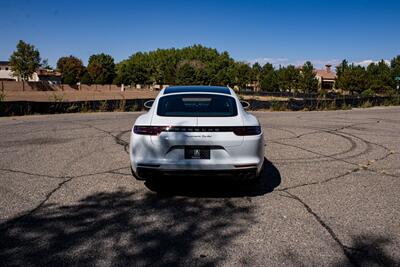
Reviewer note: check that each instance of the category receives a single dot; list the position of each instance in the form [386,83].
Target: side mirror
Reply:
[148,104]
[245,104]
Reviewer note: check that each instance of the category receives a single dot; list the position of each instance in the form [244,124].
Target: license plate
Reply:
[197,153]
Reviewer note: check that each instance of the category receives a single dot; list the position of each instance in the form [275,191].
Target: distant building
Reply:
[45,75]
[326,77]
[5,72]
[41,75]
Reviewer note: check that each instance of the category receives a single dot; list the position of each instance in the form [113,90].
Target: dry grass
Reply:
[263,98]
[48,96]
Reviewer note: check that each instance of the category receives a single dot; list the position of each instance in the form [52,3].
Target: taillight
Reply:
[149,130]
[156,130]
[247,130]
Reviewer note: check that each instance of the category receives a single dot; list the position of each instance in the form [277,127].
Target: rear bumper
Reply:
[149,159]
[245,173]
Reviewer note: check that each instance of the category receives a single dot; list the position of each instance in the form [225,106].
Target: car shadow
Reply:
[213,186]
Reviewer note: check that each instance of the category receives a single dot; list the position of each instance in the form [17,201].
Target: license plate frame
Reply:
[194,152]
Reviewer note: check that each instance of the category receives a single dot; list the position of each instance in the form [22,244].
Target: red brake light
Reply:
[156,130]
[247,130]
[148,130]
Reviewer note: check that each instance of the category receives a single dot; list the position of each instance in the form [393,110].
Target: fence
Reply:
[30,107]
[324,104]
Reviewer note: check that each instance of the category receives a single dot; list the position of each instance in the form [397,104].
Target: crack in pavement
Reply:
[112,171]
[339,131]
[30,212]
[320,182]
[117,137]
[118,141]
[346,249]
[284,192]
[58,187]
[31,174]
[321,130]
[316,153]
[359,168]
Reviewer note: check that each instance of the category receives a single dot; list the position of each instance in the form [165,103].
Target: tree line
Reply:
[205,66]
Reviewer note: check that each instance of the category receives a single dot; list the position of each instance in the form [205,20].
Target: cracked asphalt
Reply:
[329,196]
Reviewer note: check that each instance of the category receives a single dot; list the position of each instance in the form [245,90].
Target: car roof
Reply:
[197,89]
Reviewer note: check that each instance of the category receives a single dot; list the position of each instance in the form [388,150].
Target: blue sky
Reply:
[281,32]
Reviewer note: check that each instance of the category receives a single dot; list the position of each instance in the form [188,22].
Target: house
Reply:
[47,76]
[326,77]
[41,75]
[5,72]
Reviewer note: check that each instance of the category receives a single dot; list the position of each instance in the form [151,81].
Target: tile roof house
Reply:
[326,77]
[46,75]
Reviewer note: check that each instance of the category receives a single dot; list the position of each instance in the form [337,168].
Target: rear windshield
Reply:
[197,105]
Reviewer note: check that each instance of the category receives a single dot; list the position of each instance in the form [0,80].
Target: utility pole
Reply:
[397,79]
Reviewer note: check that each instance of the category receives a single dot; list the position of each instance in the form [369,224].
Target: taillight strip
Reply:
[238,130]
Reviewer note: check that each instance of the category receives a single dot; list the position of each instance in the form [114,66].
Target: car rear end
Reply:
[197,134]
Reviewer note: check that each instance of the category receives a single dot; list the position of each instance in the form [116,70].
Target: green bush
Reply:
[345,106]
[366,104]
[103,106]
[368,93]
[278,105]
[122,105]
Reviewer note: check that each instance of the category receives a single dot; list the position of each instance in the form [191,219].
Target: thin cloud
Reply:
[366,62]
[318,63]
[265,60]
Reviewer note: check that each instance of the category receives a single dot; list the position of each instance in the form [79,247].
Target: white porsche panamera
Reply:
[196,130]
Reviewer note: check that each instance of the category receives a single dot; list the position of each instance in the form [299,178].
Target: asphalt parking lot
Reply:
[330,196]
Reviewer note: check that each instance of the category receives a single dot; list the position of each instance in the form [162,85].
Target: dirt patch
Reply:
[48,96]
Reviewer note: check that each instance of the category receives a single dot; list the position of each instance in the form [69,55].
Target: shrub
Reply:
[72,108]
[368,93]
[122,105]
[58,98]
[345,106]
[85,107]
[366,104]
[278,105]
[103,106]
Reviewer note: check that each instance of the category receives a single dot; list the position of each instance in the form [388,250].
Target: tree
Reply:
[269,78]
[24,61]
[288,78]
[395,68]
[341,76]
[256,72]
[379,77]
[86,79]
[351,78]
[308,81]
[241,74]
[101,68]
[185,74]
[356,78]
[163,66]
[45,64]
[71,69]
